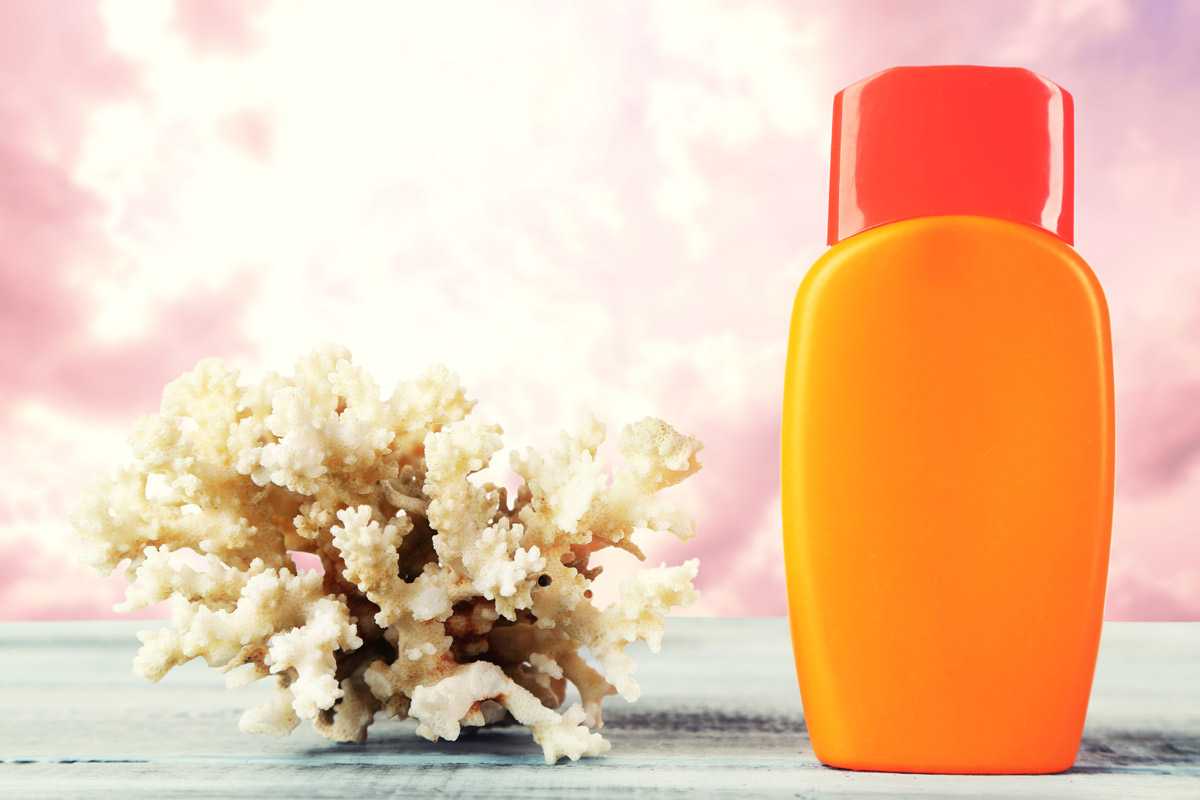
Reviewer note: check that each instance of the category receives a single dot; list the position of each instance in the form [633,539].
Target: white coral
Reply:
[441,598]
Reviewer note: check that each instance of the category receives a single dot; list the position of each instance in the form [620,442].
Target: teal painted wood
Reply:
[720,716]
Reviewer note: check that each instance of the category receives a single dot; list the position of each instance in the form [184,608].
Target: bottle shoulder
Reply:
[946,248]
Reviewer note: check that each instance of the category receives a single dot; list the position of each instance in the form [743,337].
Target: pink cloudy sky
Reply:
[601,207]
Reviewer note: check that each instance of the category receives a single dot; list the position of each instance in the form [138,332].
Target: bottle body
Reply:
[947,483]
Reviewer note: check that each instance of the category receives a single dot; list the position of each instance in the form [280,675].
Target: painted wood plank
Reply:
[720,716]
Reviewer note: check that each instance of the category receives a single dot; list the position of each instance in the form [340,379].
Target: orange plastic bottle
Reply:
[948,434]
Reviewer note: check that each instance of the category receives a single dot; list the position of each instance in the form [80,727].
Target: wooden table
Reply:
[720,716]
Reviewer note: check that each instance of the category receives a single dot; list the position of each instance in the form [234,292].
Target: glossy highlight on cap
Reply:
[927,141]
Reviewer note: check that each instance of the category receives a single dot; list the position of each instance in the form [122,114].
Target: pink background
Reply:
[579,207]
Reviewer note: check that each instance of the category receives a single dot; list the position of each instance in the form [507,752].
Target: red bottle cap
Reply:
[923,141]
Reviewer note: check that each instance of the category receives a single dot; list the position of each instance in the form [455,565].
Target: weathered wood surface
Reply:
[720,716]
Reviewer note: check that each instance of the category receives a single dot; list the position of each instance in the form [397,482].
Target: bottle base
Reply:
[982,766]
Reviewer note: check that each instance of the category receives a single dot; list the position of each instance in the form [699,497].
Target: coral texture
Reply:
[442,598]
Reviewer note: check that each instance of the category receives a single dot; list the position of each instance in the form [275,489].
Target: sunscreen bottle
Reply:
[947,469]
